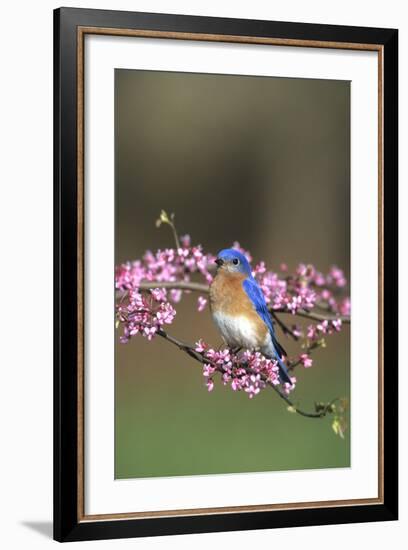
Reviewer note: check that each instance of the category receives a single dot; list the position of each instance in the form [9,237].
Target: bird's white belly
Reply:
[237,330]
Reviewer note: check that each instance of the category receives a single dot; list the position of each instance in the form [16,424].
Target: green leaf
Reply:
[163,218]
[338,427]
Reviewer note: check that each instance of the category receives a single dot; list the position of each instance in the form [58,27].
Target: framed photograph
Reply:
[225,274]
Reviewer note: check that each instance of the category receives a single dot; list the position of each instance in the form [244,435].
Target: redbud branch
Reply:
[308,350]
[204,360]
[283,326]
[176,285]
[315,316]
[198,287]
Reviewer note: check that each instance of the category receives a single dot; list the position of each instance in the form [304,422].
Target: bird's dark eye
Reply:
[235,261]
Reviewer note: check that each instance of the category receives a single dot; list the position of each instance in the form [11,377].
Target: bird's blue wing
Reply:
[255,294]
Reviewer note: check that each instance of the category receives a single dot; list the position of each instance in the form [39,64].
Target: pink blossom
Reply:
[287,388]
[311,332]
[336,276]
[183,252]
[306,360]
[176,295]
[301,270]
[323,326]
[259,269]
[314,332]
[254,385]
[201,303]
[165,314]
[185,241]
[150,332]
[345,307]
[200,346]
[293,304]
[325,294]
[208,370]
[319,279]
[159,294]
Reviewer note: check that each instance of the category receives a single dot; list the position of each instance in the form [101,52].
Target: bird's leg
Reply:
[236,349]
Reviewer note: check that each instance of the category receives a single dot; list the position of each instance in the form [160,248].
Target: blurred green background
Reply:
[261,160]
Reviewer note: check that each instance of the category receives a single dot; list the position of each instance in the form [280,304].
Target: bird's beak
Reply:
[219,262]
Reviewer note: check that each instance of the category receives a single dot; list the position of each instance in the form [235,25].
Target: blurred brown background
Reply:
[261,160]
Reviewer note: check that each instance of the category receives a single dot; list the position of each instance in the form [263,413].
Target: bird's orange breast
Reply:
[227,296]
[227,293]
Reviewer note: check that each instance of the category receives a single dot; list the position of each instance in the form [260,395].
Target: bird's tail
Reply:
[279,353]
[283,371]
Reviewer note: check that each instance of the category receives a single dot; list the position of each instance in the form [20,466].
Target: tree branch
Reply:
[204,360]
[308,350]
[176,285]
[283,326]
[198,287]
[315,316]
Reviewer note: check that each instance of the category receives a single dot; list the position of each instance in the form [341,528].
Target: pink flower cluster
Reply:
[314,332]
[144,313]
[246,371]
[303,290]
[167,265]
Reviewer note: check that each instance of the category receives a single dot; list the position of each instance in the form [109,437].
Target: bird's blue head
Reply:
[233,261]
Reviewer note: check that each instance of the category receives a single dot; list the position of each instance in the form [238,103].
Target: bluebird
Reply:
[239,309]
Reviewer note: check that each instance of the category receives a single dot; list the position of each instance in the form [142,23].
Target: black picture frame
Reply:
[68,525]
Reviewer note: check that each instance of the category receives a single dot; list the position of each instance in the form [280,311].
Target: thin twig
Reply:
[308,350]
[176,238]
[283,326]
[169,220]
[315,316]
